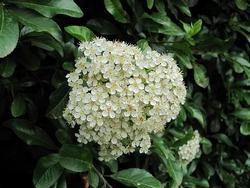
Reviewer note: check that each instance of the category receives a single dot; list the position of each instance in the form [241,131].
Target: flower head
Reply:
[120,95]
[189,151]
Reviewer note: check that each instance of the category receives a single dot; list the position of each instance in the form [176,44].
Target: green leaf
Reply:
[192,181]
[245,82]
[242,61]
[186,27]
[200,75]
[241,4]
[210,43]
[150,4]
[172,166]
[45,41]
[238,68]
[7,67]
[208,169]
[58,100]
[196,113]
[232,165]
[222,138]
[168,27]
[75,158]
[247,162]
[47,171]
[246,97]
[206,145]
[246,35]
[51,8]
[182,6]
[68,66]
[242,113]
[183,52]
[182,137]
[245,129]
[143,44]
[113,165]
[135,177]
[244,25]
[9,33]
[80,32]
[18,106]
[93,179]
[30,134]
[61,183]
[160,6]
[196,28]
[227,178]
[38,23]
[114,7]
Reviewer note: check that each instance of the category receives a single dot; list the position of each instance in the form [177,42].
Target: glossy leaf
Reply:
[80,32]
[58,101]
[242,113]
[206,145]
[75,158]
[241,4]
[168,27]
[68,66]
[114,7]
[150,4]
[93,179]
[245,129]
[51,8]
[45,42]
[61,183]
[38,23]
[173,167]
[196,113]
[242,61]
[143,45]
[18,106]
[9,33]
[113,165]
[139,178]
[224,139]
[200,75]
[183,6]
[47,171]
[30,134]
[192,181]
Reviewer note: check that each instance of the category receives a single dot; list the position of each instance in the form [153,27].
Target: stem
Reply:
[106,184]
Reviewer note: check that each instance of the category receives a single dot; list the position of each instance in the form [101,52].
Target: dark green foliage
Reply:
[38,45]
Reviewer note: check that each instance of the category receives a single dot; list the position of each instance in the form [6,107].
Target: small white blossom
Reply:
[120,95]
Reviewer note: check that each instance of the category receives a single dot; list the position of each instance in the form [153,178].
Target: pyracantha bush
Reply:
[120,95]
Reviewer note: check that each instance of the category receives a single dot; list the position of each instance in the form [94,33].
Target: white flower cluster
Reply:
[189,151]
[119,95]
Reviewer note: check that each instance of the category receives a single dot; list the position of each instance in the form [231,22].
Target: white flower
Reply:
[135,85]
[120,95]
[189,151]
